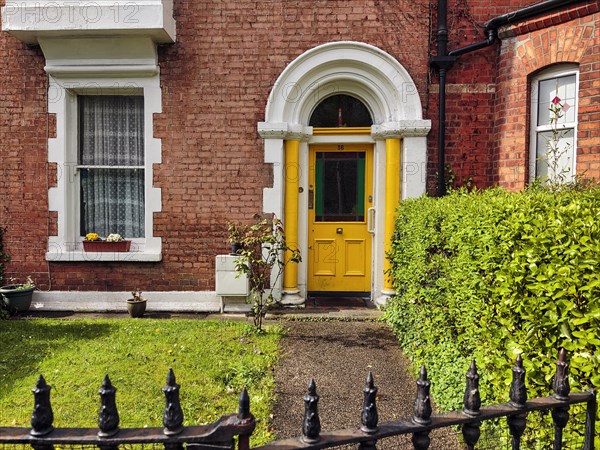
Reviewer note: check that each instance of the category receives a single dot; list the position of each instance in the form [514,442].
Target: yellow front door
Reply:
[340,198]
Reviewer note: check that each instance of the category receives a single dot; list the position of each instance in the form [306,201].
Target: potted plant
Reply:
[235,238]
[17,296]
[136,306]
[113,243]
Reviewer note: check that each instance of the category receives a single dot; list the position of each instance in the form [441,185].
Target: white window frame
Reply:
[125,93]
[559,71]
[63,150]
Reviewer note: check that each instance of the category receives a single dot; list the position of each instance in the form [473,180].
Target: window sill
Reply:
[80,255]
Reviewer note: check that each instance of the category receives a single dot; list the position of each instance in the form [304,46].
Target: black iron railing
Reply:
[108,436]
[222,433]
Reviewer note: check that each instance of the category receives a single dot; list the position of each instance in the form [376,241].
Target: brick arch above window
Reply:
[523,57]
[563,44]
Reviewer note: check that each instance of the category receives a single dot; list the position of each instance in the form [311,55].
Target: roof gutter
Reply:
[444,59]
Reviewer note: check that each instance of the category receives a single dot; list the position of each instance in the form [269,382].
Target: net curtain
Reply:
[111,132]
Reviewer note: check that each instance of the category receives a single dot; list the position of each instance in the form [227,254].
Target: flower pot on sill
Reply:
[105,246]
[136,309]
[17,300]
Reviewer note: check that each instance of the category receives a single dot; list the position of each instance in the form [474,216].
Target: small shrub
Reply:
[262,258]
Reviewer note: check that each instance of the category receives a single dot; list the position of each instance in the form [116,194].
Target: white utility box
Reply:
[232,289]
[229,283]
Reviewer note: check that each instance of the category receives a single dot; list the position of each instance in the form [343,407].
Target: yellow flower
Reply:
[92,237]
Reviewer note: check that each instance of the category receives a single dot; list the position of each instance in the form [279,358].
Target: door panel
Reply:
[340,193]
[355,258]
[325,257]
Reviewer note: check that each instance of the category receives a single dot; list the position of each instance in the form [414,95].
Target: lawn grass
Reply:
[212,361]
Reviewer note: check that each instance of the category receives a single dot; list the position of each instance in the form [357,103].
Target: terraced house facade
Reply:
[165,120]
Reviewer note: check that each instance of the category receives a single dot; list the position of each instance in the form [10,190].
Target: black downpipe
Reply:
[444,59]
[442,49]
[442,62]
[441,157]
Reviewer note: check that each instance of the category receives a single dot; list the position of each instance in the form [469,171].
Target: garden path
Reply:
[339,355]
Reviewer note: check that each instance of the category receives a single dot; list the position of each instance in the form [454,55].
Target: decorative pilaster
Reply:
[392,200]
[282,148]
[291,293]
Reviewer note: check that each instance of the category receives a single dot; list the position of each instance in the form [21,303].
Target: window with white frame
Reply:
[105,154]
[104,93]
[554,124]
[111,165]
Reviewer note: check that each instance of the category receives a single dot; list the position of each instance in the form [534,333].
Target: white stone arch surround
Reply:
[356,68]
[387,90]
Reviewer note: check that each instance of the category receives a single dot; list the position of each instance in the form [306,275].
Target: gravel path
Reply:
[339,355]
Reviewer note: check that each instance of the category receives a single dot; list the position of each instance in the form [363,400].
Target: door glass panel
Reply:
[340,187]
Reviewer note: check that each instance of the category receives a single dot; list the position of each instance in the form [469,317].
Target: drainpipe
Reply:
[444,59]
[442,62]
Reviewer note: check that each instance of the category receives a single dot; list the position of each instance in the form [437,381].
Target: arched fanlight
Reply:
[340,111]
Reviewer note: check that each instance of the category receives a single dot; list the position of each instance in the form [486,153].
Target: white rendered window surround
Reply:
[559,165]
[29,20]
[95,48]
[62,150]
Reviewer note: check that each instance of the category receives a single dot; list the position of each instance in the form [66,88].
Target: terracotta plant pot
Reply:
[104,246]
[16,300]
[136,309]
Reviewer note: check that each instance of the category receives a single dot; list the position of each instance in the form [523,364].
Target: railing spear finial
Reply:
[518,399]
[108,417]
[244,406]
[518,390]
[311,425]
[42,416]
[472,399]
[561,387]
[422,411]
[472,402]
[369,417]
[173,414]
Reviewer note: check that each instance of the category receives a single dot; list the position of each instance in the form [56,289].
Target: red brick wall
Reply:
[470,96]
[23,155]
[487,109]
[573,41]
[215,82]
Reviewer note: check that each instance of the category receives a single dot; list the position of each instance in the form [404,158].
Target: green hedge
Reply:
[492,274]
